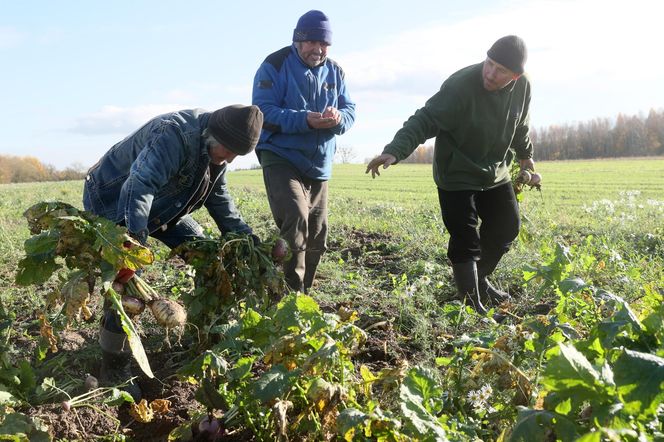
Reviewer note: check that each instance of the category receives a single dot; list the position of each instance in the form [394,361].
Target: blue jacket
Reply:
[148,179]
[285,88]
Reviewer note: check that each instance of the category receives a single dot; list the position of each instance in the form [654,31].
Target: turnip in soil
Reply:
[210,425]
[91,382]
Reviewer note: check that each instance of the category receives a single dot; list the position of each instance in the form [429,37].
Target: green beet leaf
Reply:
[112,241]
[640,380]
[39,263]
[569,374]
[417,418]
[295,312]
[273,384]
[533,425]
[422,381]
[132,335]
[349,422]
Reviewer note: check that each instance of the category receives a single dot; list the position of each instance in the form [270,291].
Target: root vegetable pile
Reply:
[231,270]
[522,178]
[82,248]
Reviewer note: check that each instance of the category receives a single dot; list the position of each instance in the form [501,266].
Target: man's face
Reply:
[219,154]
[312,53]
[495,76]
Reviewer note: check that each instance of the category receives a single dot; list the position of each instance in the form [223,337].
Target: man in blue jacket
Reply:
[152,180]
[304,100]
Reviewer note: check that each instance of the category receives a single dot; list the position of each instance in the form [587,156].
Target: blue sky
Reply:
[78,76]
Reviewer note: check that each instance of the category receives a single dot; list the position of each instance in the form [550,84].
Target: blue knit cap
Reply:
[313,26]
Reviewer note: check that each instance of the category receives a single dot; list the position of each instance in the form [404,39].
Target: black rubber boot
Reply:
[492,294]
[485,266]
[465,277]
[116,357]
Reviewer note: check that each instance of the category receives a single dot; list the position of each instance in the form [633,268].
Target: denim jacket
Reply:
[149,179]
[285,89]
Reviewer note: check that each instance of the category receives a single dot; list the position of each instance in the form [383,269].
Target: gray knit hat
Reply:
[510,51]
[237,127]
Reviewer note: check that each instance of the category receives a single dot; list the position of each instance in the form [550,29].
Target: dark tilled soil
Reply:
[89,422]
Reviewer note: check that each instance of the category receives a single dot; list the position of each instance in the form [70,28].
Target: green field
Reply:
[596,227]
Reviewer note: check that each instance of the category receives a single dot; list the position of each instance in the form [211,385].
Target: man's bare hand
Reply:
[326,120]
[332,112]
[385,160]
[527,164]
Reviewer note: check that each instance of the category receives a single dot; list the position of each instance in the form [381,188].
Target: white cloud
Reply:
[120,120]
[584,58]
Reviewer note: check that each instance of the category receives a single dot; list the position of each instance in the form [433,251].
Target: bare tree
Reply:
[345,154]
[422,155]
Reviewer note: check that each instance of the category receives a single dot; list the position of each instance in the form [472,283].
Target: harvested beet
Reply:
[279,250]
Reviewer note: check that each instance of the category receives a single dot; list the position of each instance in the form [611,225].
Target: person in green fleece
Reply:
[480,119]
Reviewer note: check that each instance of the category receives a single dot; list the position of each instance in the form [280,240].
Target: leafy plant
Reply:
[610,383]
[228,271]
[91,247]
[92,244]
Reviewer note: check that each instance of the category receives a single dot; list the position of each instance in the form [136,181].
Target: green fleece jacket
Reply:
[477,132]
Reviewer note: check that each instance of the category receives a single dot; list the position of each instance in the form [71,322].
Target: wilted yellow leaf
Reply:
[142,412]
[46,331]
[160,406]
[347,315]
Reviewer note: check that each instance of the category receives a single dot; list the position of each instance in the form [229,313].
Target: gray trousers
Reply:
[299,208]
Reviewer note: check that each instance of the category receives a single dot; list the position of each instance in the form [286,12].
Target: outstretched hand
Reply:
[385,160]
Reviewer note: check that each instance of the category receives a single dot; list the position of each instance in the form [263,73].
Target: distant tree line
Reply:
[624,136]
[14,169]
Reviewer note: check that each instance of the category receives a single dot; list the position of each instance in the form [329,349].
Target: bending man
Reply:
[152,180]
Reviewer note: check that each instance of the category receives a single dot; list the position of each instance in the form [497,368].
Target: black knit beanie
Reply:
[510,51]
[237,127]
